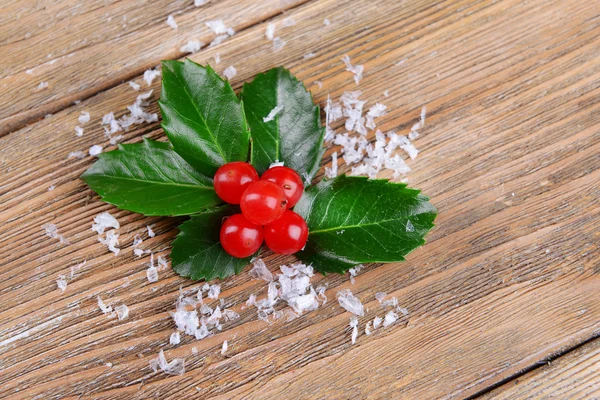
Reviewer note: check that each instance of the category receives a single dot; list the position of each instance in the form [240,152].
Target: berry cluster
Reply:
[265,205]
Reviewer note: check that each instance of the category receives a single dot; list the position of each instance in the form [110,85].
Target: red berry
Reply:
[288,234]
[289,180]
[263,202]
[240,237]
[232,179]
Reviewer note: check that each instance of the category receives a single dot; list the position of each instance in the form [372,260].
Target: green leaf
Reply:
[202,116]
[353,220]
[150,178]
[197,252]
[295,135]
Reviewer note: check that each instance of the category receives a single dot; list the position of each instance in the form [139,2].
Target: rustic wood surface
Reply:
[572,376]
[510,155]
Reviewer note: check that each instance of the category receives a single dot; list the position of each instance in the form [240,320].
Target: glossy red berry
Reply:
[289,180]
[240,237]
[232,179]
[288,234]
[263,202]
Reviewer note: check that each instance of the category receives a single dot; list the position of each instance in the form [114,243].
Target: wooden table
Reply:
[503,300]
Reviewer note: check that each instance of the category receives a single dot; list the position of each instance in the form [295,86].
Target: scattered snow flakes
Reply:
[270,32]
[103,221]
[78,131]
[357,70]
[409,226]
[219,28]
[42,85]
[278,44]
[192,46]
[150,75]
[84,118]
[134,86]
[95,150]
[354,326]
[52,231]
[175,338]
[175,367]
[122,312]
[288,21]
[171,22]
[199,3]
[61,283]
[272,114]
[326,22]
[214,291]
[332,172]
[309,55]
[111,241]
[103,307]
[230,72]
[350,302]
[390,318]
[378,110]
[224,348]
[260,271]
[137,240]
[150,231]
[217,58]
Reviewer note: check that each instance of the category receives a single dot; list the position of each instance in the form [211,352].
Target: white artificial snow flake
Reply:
[320,290]
[319,84]
[354,326]
[409,226]
[52,231]
[309,55]
[380,296]
[350,302]
[42,85]
[278,43]
[51,188]
[104,220]
[377,322]
[61,283]
[390,318]
[150,231]
[326,22]
[224,348]
[111,241]
[103,307]
[95,150]
[423,113]
[175,367]
[230,72]
[332,172]
[403,310]
[368,328]
[171,22]
[357,70]
[230,315]
[162,263]
[272,114]
[260,271]
[134,86]
[288,21]
[218,40]
[199,3]
[194,350]
[150,75]
[386,93]
[218,27]
[175,338]
[401,62]
[192,46]
[78,131]
[214,291]
[152,274]
[84,117]
[217,58]
[270,32]
[122,312]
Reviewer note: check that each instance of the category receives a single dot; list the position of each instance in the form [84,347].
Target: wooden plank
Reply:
[81,48]
[509,156]
[571,376]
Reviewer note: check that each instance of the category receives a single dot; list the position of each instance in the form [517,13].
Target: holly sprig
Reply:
[351,220]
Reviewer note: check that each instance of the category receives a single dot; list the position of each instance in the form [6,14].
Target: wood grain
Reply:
[573,376]
[88,47]
[509,156]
